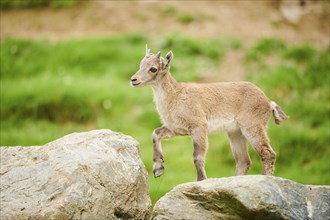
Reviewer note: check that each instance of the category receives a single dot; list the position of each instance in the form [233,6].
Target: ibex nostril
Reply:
[133,80]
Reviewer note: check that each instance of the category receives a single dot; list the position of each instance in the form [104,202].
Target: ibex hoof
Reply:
[158,172]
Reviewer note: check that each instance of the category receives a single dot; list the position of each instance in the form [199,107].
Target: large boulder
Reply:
[89,175]
[244,197]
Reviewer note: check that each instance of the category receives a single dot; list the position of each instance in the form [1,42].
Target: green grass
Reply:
[51,89]
[186,18]
[13,4]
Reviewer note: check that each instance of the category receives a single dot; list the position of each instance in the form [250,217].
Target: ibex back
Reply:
[239,108]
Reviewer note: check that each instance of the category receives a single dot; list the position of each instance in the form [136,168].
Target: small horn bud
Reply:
[147,50]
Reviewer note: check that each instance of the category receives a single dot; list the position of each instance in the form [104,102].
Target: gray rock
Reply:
[90,175]
[245,197]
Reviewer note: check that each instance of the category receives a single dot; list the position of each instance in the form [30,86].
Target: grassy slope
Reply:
[52,89]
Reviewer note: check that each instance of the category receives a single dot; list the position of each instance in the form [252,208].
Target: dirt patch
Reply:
[245,20]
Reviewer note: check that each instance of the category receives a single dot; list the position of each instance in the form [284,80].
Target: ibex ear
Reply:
[147,50]
[168,59]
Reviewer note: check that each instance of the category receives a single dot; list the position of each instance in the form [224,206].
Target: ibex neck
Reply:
[166,84]
[165,93]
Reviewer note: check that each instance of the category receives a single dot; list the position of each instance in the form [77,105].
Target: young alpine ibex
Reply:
[239,108]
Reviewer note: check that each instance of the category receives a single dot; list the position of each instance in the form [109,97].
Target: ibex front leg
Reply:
[200,141]
[158,135]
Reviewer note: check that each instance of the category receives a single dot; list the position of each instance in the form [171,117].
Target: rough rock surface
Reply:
[245,197]
[89,175]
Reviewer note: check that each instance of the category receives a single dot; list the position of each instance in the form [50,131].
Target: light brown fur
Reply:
[239,108]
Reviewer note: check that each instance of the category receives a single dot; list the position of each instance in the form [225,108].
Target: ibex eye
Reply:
[153,69]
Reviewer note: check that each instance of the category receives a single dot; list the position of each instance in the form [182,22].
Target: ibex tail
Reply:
[278,113]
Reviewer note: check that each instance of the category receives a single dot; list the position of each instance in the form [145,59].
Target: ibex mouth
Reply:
[135,83]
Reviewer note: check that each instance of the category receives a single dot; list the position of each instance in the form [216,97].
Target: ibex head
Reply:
[152,68]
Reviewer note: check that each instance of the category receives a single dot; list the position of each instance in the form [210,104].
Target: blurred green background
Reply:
[53,88]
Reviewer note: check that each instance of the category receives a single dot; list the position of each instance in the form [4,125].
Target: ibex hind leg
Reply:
[239,147]
[257,136]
